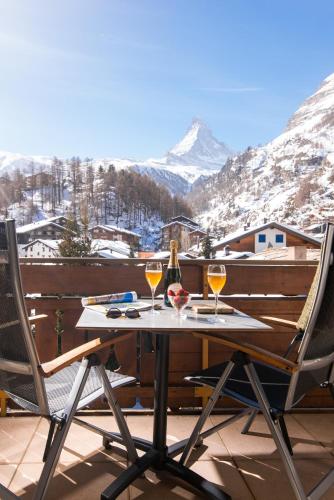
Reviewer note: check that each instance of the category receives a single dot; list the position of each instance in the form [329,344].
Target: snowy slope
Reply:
[290,179]
[10,161]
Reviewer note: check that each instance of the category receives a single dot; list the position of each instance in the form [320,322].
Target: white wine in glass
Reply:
[216,280]
[153,275]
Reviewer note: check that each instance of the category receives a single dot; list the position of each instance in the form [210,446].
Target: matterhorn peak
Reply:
[198,122]
[199,148]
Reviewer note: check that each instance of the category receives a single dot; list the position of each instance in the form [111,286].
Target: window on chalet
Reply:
[262,238]
[279,238]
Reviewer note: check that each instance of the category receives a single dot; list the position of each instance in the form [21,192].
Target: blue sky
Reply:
[124,78]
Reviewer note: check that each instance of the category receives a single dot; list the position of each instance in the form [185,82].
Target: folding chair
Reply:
[300,327]
[58,388]
[273,384]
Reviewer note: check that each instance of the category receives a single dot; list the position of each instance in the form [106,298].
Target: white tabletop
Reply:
[166,321]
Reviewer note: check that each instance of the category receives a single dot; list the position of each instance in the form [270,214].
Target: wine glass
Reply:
[153,275]
[216,280]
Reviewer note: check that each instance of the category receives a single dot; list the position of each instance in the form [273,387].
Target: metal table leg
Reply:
[157,457]
[161,395]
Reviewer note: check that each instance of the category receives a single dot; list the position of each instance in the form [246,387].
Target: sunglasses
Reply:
[130,313]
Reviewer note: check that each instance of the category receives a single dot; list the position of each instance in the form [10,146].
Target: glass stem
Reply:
[153,291]
[216,305]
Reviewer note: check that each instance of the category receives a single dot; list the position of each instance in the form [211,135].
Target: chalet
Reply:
[268,235]
[186,231]
[47,229]
[196,236]
[113,233]
[40,248]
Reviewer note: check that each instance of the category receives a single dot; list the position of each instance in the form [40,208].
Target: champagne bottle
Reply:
[173,273]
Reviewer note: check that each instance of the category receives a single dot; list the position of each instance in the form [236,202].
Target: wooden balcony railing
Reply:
[276,288]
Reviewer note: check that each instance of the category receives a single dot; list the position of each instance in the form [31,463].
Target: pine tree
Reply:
[74,243]
[206,247]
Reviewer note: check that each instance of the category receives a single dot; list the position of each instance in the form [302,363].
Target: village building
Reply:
[40,249]
[113,233]
[46,229]
[268,235]
[183,229]
[195,237]
[39,179]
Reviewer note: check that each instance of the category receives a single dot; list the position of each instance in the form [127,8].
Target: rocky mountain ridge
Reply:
[290,179]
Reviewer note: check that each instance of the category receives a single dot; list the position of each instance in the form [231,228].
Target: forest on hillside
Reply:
[102,193]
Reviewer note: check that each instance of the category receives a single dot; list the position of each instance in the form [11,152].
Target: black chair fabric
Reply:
[12,342]
[275,383]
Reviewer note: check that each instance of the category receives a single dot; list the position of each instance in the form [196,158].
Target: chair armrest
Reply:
[255,352]
[280,321]
[37,317]
[50,367]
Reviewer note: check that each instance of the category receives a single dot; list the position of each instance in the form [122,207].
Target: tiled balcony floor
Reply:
[248,467]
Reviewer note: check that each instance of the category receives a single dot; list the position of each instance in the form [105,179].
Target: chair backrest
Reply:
[316,352]
[19,375]
[308,306]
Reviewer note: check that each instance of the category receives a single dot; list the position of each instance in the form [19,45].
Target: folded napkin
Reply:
[210,309]
[113,298]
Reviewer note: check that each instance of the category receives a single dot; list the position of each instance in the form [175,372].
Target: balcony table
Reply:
[158,455]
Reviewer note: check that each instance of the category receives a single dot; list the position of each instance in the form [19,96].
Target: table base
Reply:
[152,460]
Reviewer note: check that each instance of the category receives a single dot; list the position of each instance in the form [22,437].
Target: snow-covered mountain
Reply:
[10,161]
[197,154]
[290,179]
[200,148]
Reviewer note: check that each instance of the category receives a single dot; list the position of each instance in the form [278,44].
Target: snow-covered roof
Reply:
[241,233]
[220,254]
[112,229]
[38,225]
[189,226]
[183,217]
[57,217]
[166,254]
[108,254]
[198,230]
[53,244]
[114,246]
[318,227]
